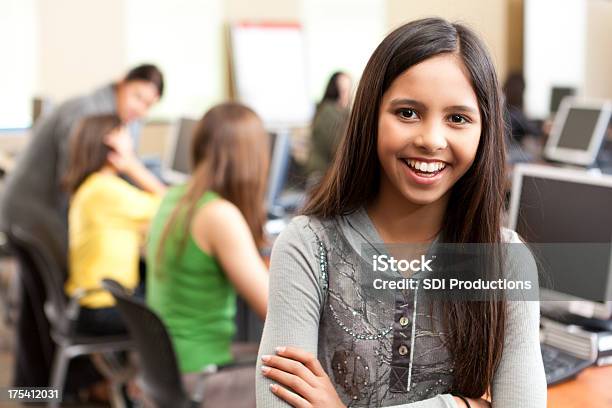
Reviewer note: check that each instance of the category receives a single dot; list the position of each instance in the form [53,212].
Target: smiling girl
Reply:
[422,161]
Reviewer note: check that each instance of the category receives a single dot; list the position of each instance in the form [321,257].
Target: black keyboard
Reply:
[559,365]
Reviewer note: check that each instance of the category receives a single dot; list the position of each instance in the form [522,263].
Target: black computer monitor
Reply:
[567,214]
[557,94]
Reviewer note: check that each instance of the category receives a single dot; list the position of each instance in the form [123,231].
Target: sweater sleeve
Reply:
[295,305]
[520,380]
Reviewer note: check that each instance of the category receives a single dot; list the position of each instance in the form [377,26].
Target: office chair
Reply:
[160,375]
[45,256]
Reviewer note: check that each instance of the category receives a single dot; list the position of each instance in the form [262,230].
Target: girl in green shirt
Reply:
[203,243]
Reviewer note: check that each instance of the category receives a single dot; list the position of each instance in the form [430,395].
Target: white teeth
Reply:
[431,167]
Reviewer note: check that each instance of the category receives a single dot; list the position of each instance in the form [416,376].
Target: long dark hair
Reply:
[230,154]
[88,152]
[332,92]
[475,329]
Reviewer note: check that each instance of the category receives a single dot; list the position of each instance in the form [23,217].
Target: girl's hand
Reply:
[122,154]
[308,386]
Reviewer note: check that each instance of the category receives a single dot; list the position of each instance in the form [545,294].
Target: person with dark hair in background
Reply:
[521,130]
[514,87]
[108,218]
[328,124]
[33,193]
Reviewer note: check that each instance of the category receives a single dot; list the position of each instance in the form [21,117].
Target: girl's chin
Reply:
[421,199]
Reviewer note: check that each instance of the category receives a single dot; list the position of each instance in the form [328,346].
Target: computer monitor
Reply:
[557,94]
[578,131]
[177,159]
[557,209]
[280,152]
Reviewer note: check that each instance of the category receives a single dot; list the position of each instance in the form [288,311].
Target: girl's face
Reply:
[428,130]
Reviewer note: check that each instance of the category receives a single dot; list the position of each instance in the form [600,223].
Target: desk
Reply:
[592,388]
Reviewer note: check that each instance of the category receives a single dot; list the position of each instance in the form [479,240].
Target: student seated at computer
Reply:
[107,217]
[203,243]
[328,124]
[520,125]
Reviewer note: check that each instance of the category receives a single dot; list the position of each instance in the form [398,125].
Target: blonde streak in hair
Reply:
[244,181]
[220,168]
[260,140]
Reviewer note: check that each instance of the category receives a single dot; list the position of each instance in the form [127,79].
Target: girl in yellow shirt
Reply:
[107,217]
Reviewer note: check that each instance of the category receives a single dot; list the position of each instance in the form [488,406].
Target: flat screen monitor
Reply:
[280,153]
[177,160]
[567,215]
[557,94]
[578,131]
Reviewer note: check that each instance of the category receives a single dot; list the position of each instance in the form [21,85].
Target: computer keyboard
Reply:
[559,365]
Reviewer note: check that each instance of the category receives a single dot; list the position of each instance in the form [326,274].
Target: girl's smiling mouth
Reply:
[424,171]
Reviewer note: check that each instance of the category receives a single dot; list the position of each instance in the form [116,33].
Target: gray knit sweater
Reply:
[302,279]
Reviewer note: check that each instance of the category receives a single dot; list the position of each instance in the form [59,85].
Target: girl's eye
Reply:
[458,119]
[406,113]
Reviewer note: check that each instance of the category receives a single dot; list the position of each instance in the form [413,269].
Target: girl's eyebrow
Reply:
[405,101]
[461,108]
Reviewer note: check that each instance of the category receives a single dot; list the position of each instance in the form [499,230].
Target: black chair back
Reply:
[37,245]
[160,373]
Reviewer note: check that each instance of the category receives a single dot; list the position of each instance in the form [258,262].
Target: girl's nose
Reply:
[431,138]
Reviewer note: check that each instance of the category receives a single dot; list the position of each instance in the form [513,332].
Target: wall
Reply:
[185,39]
[19,67]
[80,45]
[598,69]
[566,46]
[488,18]
[514,37]
[262,10]
[118,45]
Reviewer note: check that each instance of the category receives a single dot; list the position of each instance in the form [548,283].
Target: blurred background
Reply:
[56,49]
